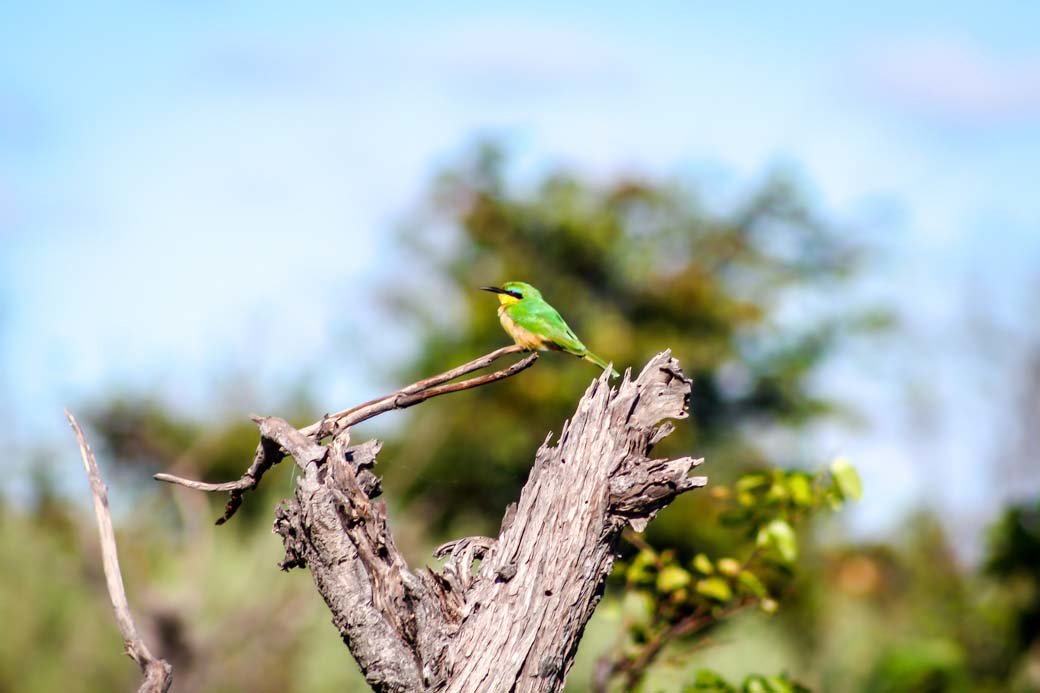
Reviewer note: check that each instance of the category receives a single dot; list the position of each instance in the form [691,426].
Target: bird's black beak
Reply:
[494,289]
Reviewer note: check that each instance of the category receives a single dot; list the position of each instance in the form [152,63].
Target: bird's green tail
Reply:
[592,358]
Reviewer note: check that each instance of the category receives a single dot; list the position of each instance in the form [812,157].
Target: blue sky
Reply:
[169,172]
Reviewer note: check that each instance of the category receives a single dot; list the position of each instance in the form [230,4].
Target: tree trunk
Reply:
[515,624]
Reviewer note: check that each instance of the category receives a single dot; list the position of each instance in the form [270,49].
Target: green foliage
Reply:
[707,680]
[846,479]
[935,664]
[211,601]
[672,578]
[767,503]
[715,588]
[692,598]
[1014,560]
[908,616]
[778,541]
[48,595]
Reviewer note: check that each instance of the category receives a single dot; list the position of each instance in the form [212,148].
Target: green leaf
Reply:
[834,499]
[756,684]
[846,478]
[715,588]
[778,491]
[672,578]
[707,680]
[782,684]
[639,569]
[729,566]
[752,482]
[779,538]
[702,564]
[752,584]
[800,489]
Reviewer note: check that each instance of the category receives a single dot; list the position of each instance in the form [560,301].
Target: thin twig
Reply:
[425,388]
[610,664]
[635,669]
[158,674]
[403,400]
[269,454]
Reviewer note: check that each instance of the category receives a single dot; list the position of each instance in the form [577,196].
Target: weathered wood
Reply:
[158,674]
[516,624]
[269,454]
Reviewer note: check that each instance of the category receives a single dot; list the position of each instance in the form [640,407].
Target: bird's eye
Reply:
[515,294]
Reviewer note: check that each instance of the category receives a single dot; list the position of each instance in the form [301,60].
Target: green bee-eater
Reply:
[534,324]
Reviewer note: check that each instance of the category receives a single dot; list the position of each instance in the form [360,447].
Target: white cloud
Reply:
[955,81]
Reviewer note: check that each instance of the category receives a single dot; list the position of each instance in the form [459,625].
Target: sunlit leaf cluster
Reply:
[668,598]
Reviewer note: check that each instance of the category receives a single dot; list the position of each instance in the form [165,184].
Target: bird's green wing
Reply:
[543,320]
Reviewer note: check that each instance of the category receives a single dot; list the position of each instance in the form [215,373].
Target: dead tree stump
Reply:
[514,624]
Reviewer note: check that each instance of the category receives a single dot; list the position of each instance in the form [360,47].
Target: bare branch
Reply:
[268,455]
[379,404]
[404,399]
[158,674]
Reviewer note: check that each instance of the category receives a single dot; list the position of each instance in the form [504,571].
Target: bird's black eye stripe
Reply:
[515,294]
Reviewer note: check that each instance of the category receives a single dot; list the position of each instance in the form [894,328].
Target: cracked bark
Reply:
[515,624]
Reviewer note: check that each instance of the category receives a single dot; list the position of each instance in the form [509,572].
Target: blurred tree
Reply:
[743,296]
[1014,562]
[636,266]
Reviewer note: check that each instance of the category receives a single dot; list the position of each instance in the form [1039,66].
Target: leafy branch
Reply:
[668,600]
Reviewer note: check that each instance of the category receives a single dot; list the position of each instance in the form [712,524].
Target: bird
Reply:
[535,325]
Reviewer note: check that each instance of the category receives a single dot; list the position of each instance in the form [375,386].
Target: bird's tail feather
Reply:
[592,358]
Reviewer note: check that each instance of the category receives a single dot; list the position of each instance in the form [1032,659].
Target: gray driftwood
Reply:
[514,624]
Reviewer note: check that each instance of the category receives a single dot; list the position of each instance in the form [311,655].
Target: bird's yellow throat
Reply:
[506,299]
